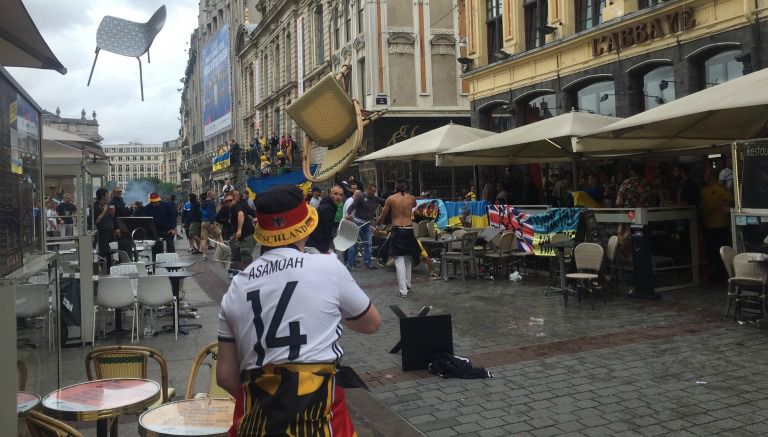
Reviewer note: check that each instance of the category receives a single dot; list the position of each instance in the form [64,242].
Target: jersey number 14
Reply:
[294,340]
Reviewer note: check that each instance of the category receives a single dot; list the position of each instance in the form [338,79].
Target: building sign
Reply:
[300,53]
[217,89]
[656,27]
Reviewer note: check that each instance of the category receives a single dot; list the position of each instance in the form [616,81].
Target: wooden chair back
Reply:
[209,353]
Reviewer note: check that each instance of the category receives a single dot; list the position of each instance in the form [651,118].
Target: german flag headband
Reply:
[284,228]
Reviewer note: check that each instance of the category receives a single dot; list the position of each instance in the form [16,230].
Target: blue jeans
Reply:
[365,238]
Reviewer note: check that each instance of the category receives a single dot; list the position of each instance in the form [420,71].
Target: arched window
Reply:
[658,86]
[598,98]
[349,13]
[288,51]
[360,16]
[540,108]
[722,67]
[318,25]
[336,28]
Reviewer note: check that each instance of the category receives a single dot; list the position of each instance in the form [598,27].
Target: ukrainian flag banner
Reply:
[472,214]
[220,161]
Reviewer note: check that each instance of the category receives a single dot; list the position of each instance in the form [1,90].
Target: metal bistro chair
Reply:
[465,257]
[519,257]
[209,353]
[589,259]
[748,277]
[554,264]
[127,361]
[128,38]
[41,425]
[498,259]
[727,254]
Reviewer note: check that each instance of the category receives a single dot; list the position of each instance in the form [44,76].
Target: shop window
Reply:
[540,108]
[722,67]
[598,98]
[658,87]
[589,13]
[535,22]
[493,24]
[642,4]
[318,26]
[500,118]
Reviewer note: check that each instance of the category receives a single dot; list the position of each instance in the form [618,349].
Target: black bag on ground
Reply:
[454,366]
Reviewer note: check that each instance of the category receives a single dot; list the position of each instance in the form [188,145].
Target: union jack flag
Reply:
[510,218]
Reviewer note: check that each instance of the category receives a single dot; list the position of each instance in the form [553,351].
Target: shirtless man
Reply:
[403,247]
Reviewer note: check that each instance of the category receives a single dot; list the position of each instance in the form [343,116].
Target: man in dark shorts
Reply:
[402,244]
[279,327]
[242,242]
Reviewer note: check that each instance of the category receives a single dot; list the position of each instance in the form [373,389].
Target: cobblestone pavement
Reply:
[633,367]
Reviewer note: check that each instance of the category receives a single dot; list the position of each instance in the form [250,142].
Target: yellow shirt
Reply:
[470,196]
[713,205]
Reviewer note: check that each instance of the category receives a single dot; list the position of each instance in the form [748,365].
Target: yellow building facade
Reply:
[525,60]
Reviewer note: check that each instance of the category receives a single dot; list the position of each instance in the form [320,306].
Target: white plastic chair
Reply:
[156,291]
[115,292]
[128,270]
[222,253]
[32,301]
[347,235]
[141,267]
[167,258]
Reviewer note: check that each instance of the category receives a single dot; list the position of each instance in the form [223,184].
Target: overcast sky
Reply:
[69,28]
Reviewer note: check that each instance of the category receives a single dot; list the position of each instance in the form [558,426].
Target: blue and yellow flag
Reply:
[220,161]
[467,214]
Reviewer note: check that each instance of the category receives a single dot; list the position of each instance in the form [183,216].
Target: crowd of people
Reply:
[268,154]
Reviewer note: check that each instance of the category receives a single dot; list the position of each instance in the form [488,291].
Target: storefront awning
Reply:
[21,44]
[547,140]
[70,141]
[734,110]
[424,147]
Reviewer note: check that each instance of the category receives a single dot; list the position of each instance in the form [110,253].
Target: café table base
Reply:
[106,427]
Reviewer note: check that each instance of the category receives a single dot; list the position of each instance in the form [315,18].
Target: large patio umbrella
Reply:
[21,44]
[734,110]
[424,147]
[548,140]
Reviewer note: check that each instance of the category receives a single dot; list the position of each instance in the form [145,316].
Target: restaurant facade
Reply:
[534,59]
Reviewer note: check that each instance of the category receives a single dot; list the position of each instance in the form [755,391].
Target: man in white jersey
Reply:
[279,327]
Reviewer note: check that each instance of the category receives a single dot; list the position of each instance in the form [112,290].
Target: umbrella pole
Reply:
[574,169]
[410,174]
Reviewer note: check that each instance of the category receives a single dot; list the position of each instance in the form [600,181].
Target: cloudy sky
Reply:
[70,26]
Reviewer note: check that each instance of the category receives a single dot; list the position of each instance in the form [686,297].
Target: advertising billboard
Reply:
[217,89]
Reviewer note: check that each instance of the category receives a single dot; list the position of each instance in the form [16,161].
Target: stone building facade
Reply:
[132,161]
[403,55]
[82,127]
[171,161]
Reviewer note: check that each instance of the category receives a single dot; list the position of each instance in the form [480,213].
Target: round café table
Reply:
[101,400]
[25,401]
[191,417]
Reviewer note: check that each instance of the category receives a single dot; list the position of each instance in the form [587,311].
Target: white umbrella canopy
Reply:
[424,147]
[734,110]
[21,44]
[548,140]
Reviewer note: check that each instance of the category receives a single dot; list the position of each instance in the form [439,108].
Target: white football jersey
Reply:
[287,307]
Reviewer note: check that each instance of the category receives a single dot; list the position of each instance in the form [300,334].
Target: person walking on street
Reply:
[66,210]
[208,227]
[362,211]
[163,214]
[403,246]
[242,242]
[322,238]
[195,219]
[279,326]
[103,215]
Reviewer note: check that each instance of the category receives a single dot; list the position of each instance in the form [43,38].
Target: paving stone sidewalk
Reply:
[670,367]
